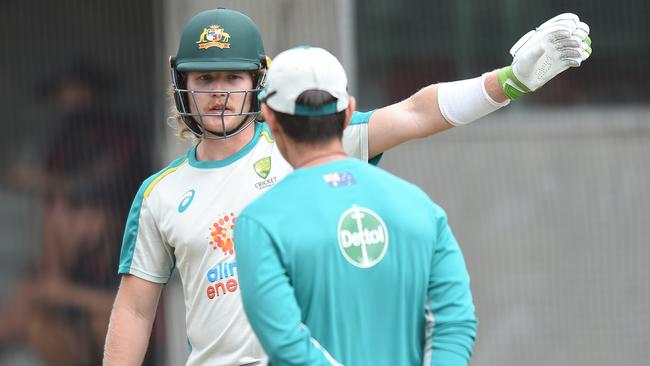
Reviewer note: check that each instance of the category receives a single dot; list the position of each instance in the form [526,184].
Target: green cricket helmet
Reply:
[218,40]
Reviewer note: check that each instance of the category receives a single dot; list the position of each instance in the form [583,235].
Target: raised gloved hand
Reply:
[559,43]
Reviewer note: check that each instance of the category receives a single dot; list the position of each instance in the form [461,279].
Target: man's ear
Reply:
[271,120]
[352,105]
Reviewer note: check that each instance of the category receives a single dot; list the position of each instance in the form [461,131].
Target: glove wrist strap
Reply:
[512,87]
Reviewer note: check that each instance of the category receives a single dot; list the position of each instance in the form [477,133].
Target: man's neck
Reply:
[303,156]
[220,149]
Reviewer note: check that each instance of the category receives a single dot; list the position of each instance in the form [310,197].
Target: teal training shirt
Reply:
[344,263]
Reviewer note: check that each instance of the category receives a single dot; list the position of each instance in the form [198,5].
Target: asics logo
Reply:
[187,199]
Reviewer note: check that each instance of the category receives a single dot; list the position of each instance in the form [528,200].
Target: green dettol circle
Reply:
[363,237]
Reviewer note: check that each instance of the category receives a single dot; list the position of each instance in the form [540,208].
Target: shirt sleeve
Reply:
[269,300]
[451,340]
[355,136]
[144,252]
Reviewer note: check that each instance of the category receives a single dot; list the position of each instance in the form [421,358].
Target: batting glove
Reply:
[541,54]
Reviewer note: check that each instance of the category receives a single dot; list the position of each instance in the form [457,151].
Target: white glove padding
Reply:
[541,54]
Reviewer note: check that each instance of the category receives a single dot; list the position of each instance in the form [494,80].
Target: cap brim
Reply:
[206,65]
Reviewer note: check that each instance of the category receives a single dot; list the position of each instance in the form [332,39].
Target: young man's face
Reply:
[215,102]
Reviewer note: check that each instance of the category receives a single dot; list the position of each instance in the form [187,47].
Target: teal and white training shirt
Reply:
[183,217]
[344,263]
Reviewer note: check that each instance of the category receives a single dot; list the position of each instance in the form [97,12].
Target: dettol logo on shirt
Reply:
[363,237]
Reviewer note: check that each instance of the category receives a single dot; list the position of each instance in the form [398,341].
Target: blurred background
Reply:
[549,197]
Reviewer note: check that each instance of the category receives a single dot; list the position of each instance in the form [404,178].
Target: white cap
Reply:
[303,68]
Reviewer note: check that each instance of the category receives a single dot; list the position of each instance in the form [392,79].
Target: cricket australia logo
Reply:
[363,237]
[214,36]
[263,167]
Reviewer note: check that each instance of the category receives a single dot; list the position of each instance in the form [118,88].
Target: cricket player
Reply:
[183,217]
[342,263]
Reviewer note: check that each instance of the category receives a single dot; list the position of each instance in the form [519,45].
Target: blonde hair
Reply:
[175,120]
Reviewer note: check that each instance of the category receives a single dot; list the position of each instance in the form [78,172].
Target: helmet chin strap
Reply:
[207,134]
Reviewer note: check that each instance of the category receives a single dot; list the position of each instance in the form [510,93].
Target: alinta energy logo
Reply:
[363,236]
[221,232]
[222,278]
